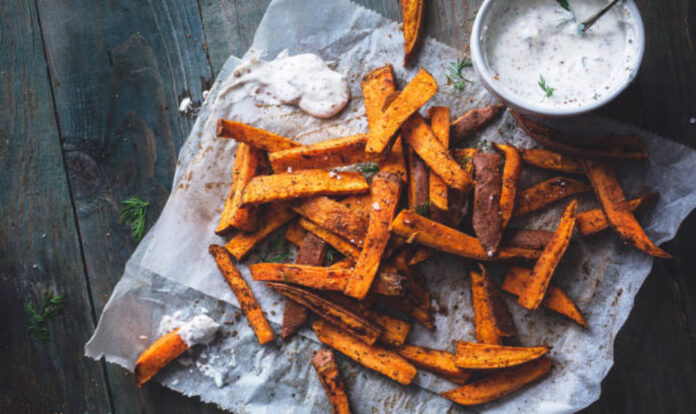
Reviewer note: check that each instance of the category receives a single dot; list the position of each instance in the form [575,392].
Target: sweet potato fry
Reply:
[339,243]
[473,121]
[247,302]
[274,218]
[535,290]
[528,239]
[465,158]
[325,154]
[438,236]
[301,184]
[421,255]
[555,300]
[471,355]
[615,206]
[550,160]
[360,204]
[412,10]
[420,137]
[370,356]
[295,233]
[386,192]
[246,165]
[612,148]
[256,137]
[389,283]
[421,88]
[593,221]
[435,361]
[440,125]
[418,192]
[327,369]
[339,316]
[512,170]
[547,192]
[499,383]
[491,315]
[163,351]
[417,292]
[333,216]
[315,277]
[487,220]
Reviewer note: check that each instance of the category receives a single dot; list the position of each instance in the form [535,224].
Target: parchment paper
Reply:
[171,269]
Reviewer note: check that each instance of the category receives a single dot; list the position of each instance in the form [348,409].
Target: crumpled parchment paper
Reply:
[171,269]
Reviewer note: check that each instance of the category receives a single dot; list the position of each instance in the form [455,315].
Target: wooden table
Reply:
[90,91]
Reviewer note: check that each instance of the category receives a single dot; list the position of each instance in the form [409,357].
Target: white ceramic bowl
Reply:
[485,74]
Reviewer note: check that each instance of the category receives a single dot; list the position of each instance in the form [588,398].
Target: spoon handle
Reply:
[584,26]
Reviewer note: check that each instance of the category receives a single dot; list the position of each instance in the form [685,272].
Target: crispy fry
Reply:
[556,299]
[528,239]
[438,236]
[465,158]
[246,165]
[550,160]
[615,206]
[301,184]
[436,361]
[256,137]
[471,355]
[593,221]
[511,176]
[421,88]
[487,220]
[440,125]
[613,148]
[360,204]
[315,277]
[274,218]
[247,302]
[417,291]
[421,255]
[395,161]
[327,370]
[547,192]
[535,290]
[373,357]
[389,283]
[412,10]
[325,154]
[474,120]
[386,192]
[418,192]
[339,243]
[492,317]
[499,383]
[163,351]
[333,216]
[295,233]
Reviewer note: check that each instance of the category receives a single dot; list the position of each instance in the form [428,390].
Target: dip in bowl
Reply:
[533,56]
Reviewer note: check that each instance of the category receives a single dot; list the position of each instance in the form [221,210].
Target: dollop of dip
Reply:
[303,80]
[200,329]
[536,50]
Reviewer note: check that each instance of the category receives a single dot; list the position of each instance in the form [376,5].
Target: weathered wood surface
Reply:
[118,69]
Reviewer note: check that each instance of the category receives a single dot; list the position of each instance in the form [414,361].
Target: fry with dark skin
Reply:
[465,158]
[163,351]
[528,239]
[435,361]
[333,216]
[418,181]
[412,10]
[550,160]
[439,123]
[295,233]
[593,221]
[247,162]
[256,137]
[473,121]
[487,219]
[325,154]
[274,218]
[492,318]
[327,370]
[512,169]
[545,193]
[535,290]
[471,355]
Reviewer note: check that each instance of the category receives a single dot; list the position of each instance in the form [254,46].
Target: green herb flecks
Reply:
[423,209]
[564,4]
[277,250]
[38,316]
[454,74]
[368,167]
[465,160]
[332,254]
[134,214]
[545,87]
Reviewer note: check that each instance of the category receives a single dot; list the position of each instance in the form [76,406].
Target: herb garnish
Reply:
[368,167]
[38,317]
[277,250]
[133,213]
[564,4]
[454,74]
[423,209]
[545,87]
[331,254]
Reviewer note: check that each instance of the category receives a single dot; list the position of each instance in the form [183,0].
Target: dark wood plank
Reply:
[39,250]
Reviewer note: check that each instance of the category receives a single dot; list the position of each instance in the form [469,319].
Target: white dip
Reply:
[200,329]
[303,80]
[532,43]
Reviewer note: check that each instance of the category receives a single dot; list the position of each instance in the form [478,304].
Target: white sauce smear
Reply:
[200,329]
[525,41]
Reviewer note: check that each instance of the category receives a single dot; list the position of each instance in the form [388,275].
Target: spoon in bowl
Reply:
[585,25]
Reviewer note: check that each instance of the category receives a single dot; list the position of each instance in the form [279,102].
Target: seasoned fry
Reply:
[333,216]
[487,220]
[499,383]
[511,176]
[327,369]
[246,165]
[360,204]
[163,351]
[421,255]
[535,290]
[555,300]
[373,357]
[593,221]
[274,218]
[421,88]
[550,160]
[440,125]
[339,243]
[256,137]
[492,317]
[325,154]
[418,192]
[465,158]
[247,302]
[471,355]
[473,121]
[389,283]
[528,239]
[315,277]
[386,192]
[395,161]
[300,184]
[295,233]
[420,137]
[436,361]
[438,236]
[613,148]
[615,206]
[547,192]
[412,10]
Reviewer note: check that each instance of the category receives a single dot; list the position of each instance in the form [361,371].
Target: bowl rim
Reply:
[486,76]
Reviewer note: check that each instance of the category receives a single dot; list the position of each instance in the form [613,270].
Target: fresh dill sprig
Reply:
[38,317]
[332,254]
[277,250]
[545,87]
[423,209]
[454,74]
[134,214]
[564,4]
[368,167]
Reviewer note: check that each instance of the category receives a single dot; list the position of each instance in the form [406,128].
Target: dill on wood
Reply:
[134,214]
[38,316]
